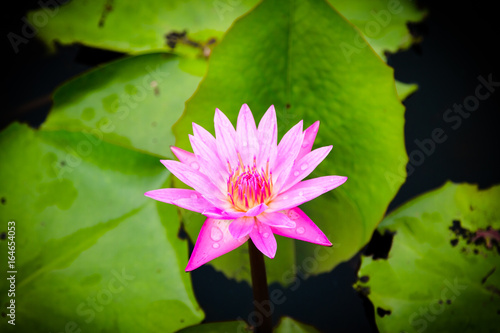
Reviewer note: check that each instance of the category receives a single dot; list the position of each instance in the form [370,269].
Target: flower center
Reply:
[248,187]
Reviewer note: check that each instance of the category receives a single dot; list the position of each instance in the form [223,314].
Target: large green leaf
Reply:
[287,54]
[131,27]
[92,253]
[131,102]
[405,89]
[442,271]
[288,325]
[382,22]
[218,327]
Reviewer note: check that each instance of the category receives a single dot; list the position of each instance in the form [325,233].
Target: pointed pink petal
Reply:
[305,191]
[309,137]
[213,241]
[305,230]
[225,138]
[205,137]
[246,133]
[202,150]
[288,149]
[303,167]
[198,181]
[205,146]
[186,158]
[264,240]
[212,166]
[256,210]
[183,198]
[277,220]
[267,135]
[241,227]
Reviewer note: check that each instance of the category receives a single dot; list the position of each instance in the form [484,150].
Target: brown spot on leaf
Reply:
[362,290]
[175,37]
[108,7]
[457,229]
[493,289]
[487,236]
[364,279]
[381,312]
[488,275]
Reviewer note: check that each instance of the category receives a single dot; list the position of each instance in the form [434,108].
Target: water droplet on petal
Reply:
[305,143]
[319,240]
[265,235]
[195,165]
[303,166]
[285,197]
[216,245]
[296,173]
[194,196]
[216,234]
[301,193]
[244,143]
[300,230]
[293,215]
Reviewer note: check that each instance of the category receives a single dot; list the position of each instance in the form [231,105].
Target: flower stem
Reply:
[260,291]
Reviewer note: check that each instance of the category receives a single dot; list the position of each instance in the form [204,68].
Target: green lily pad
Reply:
[300,69]
[91,252]
[383,24]
[405,89]
[131,102]
[218,327]
[442,271]
[131,27]
[288,325]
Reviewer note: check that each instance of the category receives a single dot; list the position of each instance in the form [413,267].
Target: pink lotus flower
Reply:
[247,185]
